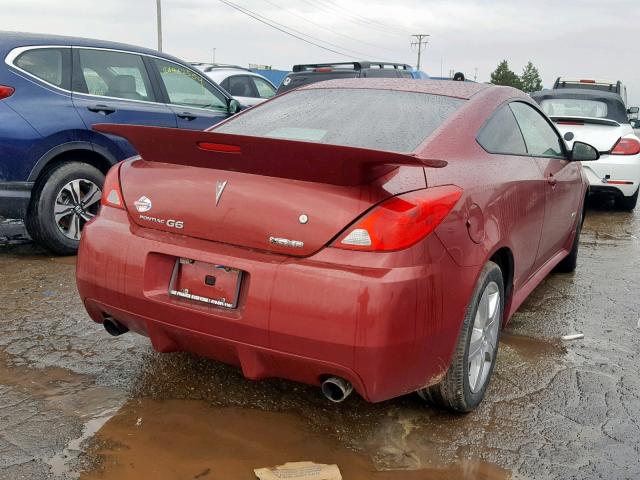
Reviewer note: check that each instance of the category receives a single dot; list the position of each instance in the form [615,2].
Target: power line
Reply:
[348,17]
[372,22]
[285,29]
[419,42]
[326,28]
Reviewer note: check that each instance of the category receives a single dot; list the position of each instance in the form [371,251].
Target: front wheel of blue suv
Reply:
[64,199]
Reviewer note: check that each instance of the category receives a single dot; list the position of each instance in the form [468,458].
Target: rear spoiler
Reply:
[273,157]
[592,120]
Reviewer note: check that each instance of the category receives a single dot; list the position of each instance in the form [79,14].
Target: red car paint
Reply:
[386,321]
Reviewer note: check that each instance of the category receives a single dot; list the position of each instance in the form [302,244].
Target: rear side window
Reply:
[540,138]
[348,117]
[114,74]
[50,65]
[264,88]
[501,134]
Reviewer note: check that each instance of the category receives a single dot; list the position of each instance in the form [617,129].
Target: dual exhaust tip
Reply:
[335,389]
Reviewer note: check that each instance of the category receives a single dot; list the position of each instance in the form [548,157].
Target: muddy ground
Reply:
[76,403]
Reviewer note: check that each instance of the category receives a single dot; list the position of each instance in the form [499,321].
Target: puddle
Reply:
[62,394]
[182,439]
[530,348]
[59,464]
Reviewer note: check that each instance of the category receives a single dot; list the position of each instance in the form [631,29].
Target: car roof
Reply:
[220,74]
[448,88]
[11,40]
[359,65]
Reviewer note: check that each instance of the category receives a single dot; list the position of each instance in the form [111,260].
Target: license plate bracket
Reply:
[207,283]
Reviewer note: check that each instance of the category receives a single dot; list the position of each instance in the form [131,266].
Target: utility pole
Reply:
[214,55]
[475,76]
[419,42]
[159,21]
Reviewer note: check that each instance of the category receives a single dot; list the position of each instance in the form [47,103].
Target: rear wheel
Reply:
[66,198]
[466,381]
[627,203]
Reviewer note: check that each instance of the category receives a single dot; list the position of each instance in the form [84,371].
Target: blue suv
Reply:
[52,90]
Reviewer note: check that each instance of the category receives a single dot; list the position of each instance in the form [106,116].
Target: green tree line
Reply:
[529,81]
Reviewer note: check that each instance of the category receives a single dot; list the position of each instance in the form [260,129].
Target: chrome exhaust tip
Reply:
[113,327]
[336,389]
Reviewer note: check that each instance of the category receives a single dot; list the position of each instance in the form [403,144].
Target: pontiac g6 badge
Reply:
[143,204]
[219,189]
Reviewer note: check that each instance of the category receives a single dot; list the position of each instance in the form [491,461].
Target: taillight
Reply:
[626,146]
[111,192]
[6,91]
[401,221]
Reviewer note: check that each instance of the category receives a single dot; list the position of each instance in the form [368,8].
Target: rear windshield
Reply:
[377,119]
[574,107]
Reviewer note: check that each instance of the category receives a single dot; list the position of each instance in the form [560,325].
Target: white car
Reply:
[247,87]
[600,119]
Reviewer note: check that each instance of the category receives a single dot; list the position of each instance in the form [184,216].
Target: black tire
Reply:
[40,221]
[570,262]
[454,391]
[627,203]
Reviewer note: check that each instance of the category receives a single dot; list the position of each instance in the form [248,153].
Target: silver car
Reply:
[247,87]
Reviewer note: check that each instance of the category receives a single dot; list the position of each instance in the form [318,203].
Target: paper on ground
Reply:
[575,336]
[299,471]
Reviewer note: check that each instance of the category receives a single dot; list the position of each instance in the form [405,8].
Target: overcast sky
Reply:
[585,38]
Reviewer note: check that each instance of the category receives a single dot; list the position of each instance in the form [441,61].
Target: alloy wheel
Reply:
[482,345]
[76,203]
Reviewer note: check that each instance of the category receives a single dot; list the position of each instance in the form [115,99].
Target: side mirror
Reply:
[583,152]
[233,106]
[633,110]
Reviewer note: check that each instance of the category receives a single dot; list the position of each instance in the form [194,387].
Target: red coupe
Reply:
[367,234]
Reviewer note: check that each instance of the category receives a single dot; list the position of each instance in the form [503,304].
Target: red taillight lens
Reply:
[111,192]
[401,221]
[6,91]
[626,146]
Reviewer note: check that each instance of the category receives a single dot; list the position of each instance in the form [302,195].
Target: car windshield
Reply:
[574,107]
[376,119]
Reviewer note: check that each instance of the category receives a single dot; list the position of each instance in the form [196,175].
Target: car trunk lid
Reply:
[276,195]
[602,133]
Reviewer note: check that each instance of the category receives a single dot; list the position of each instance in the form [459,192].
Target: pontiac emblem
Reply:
[143,204]
[219,189]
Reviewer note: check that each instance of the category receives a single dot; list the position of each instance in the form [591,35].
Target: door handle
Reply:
[187,116]
[552,180]
[103,109]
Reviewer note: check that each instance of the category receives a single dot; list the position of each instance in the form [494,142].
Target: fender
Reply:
[68,147]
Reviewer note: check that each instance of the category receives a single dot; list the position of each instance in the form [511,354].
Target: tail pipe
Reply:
[336,389]
[113,327]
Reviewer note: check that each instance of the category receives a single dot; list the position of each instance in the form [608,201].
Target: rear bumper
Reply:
[386,322]
[14,199]
[614,168]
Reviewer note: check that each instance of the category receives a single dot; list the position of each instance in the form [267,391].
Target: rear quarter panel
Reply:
[503,199]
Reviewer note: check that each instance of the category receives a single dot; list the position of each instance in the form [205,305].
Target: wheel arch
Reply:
[83,152]
[503,257]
